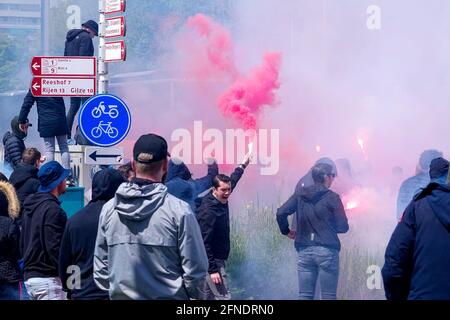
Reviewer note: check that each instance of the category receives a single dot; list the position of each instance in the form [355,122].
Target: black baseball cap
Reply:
[150,148]
[438,168]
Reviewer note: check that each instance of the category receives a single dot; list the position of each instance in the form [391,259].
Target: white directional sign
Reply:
[63,66]
[113,6]
[115,51]
[59,87]
[103,156]
[115,27]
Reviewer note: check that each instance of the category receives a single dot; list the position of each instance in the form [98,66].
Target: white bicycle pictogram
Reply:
[104,128]
[101,109]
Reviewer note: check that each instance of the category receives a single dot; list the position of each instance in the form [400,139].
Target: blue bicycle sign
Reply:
[104,120]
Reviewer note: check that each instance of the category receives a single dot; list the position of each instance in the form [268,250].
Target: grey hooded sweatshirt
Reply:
[149,246]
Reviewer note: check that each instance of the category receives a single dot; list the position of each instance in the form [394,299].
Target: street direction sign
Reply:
[115,27]
[115,51]
[104,120]
[63,86]
[113,6]
[63,66]
[103,156]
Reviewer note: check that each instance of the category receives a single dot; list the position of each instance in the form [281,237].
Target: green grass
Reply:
[263,263]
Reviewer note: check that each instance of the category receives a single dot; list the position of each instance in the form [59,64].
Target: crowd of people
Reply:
[151,231]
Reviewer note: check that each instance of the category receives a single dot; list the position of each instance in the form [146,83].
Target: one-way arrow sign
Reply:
[103,156]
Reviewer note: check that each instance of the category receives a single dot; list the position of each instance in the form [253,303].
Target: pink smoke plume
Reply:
[246,97]
[219,46]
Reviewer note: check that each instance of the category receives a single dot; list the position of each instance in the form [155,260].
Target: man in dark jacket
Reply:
[214,220]
[417,259]
[51,124]
[43,226]
[14,145]
[78,243]
[9,243]
[25,177]
[180,184]
[321,216]
[79,43]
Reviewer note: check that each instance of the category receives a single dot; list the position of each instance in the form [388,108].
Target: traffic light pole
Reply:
[103,79]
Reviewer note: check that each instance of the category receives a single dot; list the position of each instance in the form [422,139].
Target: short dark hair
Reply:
[320,171]
[125,170]
[149,168]
[30,156]
[220,178]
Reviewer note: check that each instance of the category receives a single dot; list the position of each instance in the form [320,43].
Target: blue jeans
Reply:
[321,263]
[63,147]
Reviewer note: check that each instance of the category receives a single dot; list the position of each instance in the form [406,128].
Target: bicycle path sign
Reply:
[104,120]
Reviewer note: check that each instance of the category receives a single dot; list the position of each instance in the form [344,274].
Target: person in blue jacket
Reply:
[180,184]
[417,259]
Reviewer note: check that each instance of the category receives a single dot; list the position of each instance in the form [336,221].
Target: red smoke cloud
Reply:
[246,97]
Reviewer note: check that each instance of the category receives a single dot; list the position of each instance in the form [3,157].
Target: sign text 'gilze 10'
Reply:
[60,87]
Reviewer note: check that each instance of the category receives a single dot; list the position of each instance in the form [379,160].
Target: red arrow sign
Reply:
[60,87]
[63,66]
[115,51]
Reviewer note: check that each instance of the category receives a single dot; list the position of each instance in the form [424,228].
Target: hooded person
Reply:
[43,223]
[321,217]
[180,184]
[149,244]
[25,177]
[78,242]
[307,181]
[9,243]
[417,257]
[79,43]
[13,143]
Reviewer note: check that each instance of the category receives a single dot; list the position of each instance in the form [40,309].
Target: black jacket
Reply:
[52,120]
[321,216]
[78,243]
[78,43]
[14,146]
[417,259]
[214,220]
[25,180]
[42,228]
[9,250]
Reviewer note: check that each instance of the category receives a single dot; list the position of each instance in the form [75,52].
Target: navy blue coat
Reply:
[417,259]
[14,146]
[78,43]
[180,184]
[52,120]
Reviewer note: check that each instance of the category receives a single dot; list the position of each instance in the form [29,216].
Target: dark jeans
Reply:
[321,263]
[10,291]
[75,104]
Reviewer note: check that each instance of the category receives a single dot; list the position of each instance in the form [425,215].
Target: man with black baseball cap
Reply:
[149,244]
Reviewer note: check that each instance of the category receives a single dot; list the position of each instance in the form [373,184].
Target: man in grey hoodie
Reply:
[149,244]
